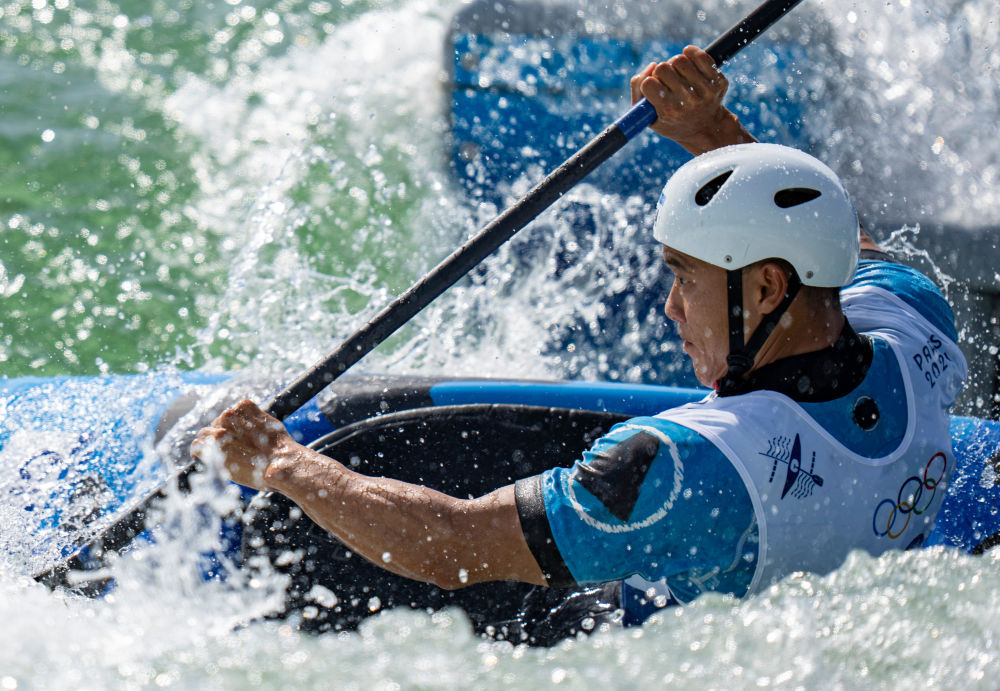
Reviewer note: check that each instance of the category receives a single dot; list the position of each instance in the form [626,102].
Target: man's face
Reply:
[697,303]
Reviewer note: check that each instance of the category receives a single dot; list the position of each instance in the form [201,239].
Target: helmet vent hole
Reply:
[710,188]
[793,196]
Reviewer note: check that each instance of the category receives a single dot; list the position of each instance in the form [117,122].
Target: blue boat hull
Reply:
[91,442]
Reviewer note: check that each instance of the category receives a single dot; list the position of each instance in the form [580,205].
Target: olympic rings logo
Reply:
[908,500]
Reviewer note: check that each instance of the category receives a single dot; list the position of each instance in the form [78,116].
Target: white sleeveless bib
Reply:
[815,500]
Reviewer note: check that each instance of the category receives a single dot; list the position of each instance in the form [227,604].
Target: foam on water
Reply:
[311,185]
[924,618]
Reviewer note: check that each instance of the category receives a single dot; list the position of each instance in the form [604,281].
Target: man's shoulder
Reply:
[916,291]
[659,426]
[642,445]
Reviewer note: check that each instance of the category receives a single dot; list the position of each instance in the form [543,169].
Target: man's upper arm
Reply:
[651,498]
[501,550]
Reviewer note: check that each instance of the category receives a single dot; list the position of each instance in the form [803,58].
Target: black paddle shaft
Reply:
[504,226]
[447,272]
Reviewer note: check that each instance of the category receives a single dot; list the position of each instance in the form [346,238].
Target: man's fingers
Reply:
[257,419]
[702,60]
[205,436]
[198,445]
[242,417]
[635,83]
[705,65]
[209,438]
[240,440]
[248,414]
[690,76]
[671,83]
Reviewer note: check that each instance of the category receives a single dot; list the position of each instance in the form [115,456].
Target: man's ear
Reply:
[769,284]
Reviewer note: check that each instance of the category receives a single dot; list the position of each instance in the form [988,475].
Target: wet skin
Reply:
[697,304]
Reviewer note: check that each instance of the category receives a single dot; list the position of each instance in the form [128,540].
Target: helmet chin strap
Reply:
[741,355]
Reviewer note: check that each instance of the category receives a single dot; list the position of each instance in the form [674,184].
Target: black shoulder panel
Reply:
[614,477]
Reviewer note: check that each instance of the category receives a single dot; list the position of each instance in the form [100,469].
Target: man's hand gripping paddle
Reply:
[455,266]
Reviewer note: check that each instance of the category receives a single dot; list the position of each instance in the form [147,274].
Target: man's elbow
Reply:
[450,578]
[446,583]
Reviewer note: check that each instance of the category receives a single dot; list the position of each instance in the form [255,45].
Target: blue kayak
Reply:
[78,453]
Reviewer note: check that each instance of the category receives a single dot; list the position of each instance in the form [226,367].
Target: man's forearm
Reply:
[411,530]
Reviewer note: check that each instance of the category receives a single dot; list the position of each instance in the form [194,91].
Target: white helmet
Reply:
[740,204]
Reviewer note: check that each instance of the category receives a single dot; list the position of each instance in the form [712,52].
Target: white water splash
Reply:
[909,135]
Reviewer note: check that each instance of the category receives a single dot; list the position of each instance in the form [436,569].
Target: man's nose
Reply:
[673,308]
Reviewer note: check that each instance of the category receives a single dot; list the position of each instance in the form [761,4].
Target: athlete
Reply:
[826,429]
